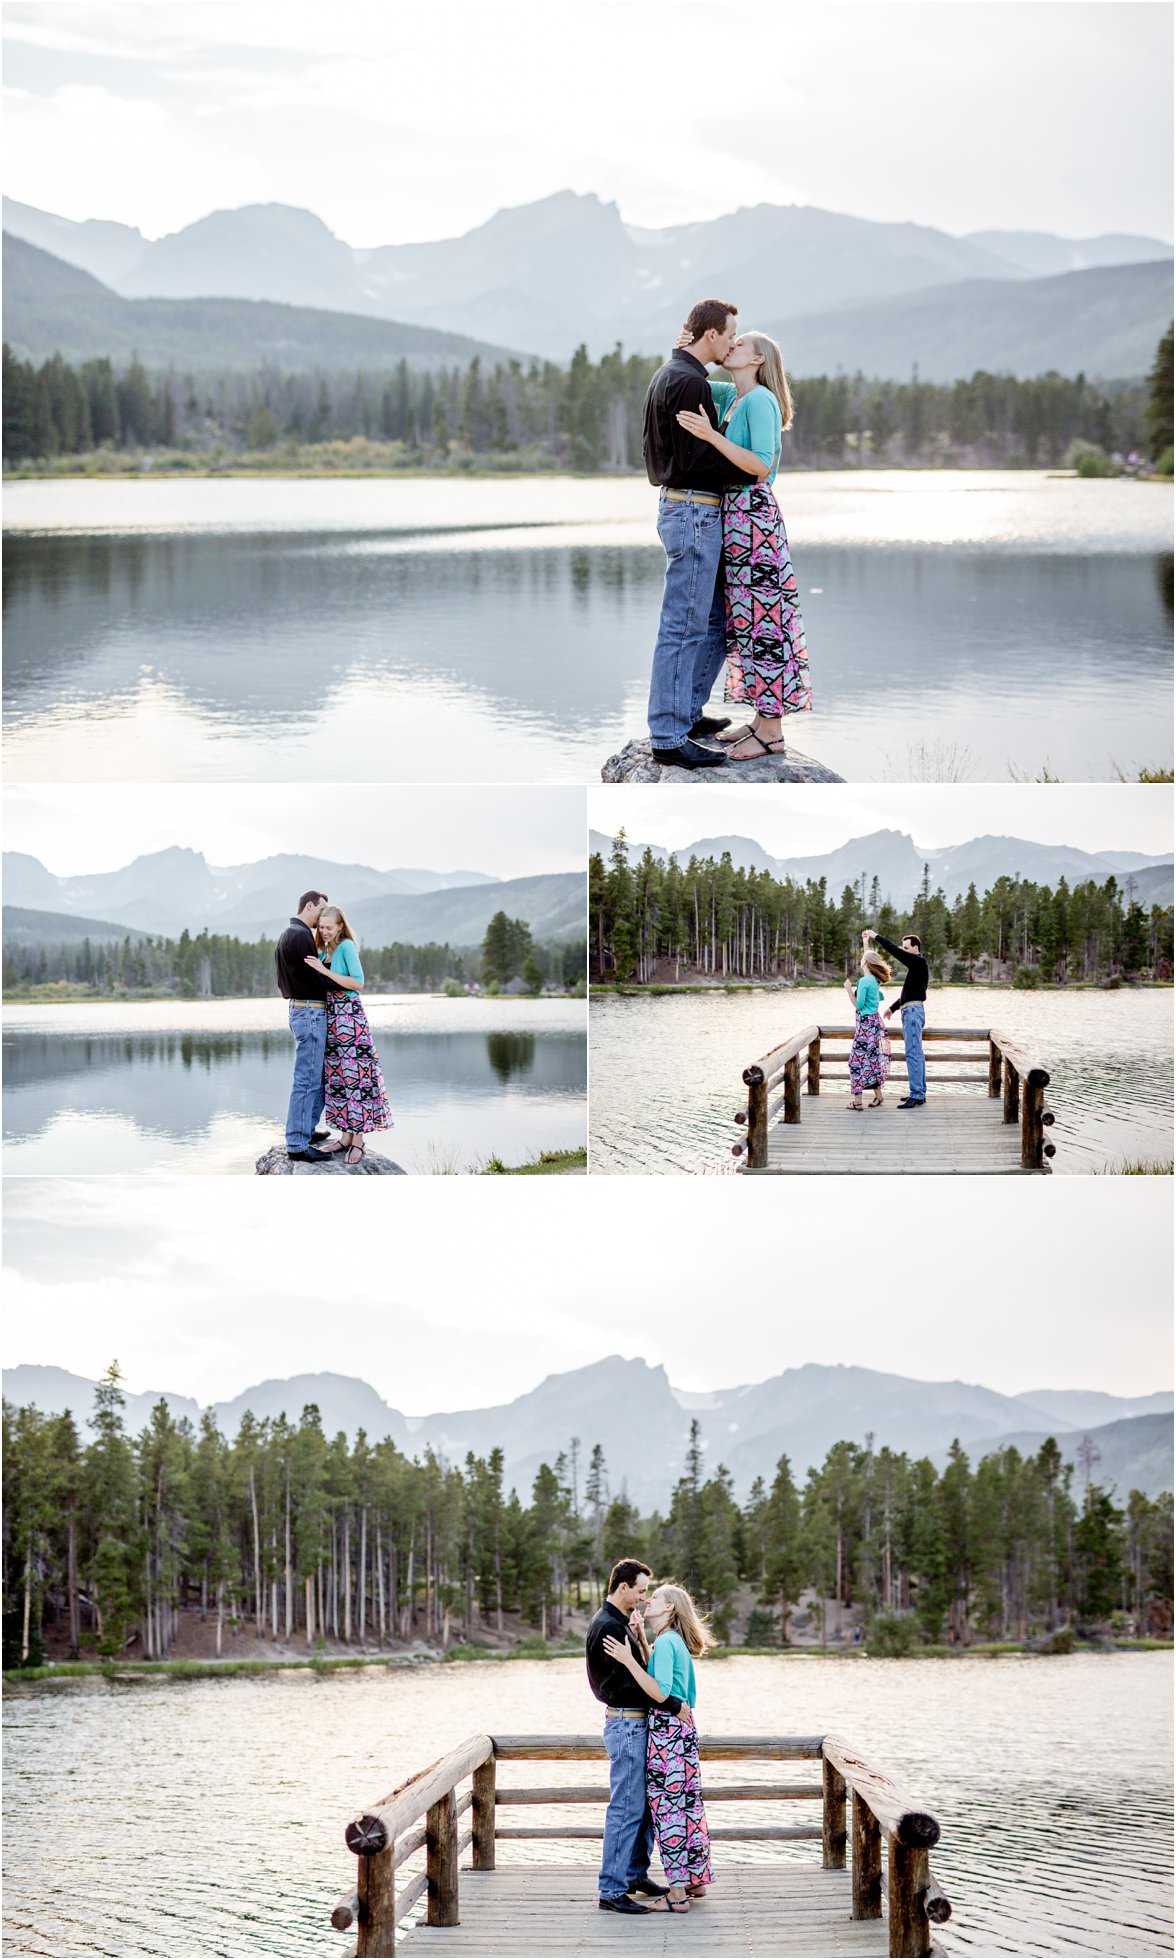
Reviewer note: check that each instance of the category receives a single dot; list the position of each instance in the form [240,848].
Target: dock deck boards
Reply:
[951,1133]
[763,1913]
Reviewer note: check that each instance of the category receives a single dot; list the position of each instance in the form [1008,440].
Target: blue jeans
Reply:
[308,1025]
[692,633]
[628,1826]
[914,1014]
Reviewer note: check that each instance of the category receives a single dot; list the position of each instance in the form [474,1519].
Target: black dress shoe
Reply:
[321,1136]
[690,755]
[621,1904]
[710,725]
[308,1156]
[912,1102]
[650,1888]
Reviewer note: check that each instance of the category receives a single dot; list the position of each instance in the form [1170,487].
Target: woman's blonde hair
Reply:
[770,373]
[334,912]
[686,1619]
[875,964]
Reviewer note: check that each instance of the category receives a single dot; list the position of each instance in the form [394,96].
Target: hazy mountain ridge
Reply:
[566,268]
[632,1410]
[51,307]
[165,891]
[897,861]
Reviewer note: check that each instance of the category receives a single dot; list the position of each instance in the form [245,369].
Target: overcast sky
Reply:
[505,832]
[794,820]
[473,1293]
[395,123]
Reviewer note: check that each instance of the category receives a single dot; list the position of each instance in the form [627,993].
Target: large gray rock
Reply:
[635,764]
[275,1163]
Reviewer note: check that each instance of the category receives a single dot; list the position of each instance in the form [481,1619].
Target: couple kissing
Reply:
[640,1652]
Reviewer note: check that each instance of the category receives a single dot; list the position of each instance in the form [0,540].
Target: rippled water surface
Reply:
[203,1086]
[666,1069]
[967,623]
[173,1817]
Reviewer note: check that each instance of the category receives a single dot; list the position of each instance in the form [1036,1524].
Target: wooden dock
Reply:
[856,1901]
[992,1121]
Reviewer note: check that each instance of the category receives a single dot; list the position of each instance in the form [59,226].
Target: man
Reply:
[692,633]
[912,1005]
[628,1826]
[307,993]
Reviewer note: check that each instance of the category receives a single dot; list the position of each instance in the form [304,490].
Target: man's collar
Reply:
[692,358]
[296,920]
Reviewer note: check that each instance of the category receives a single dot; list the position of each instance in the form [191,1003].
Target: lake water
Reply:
[960,624]
[667,1069]
[173,1817]
[203,1086]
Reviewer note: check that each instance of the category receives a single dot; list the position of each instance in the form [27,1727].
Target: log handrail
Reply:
[882,1808]
[391,1832]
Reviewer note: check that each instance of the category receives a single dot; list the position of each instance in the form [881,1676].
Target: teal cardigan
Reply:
[869,995]
[344,958]
[755,421]
[671,1666]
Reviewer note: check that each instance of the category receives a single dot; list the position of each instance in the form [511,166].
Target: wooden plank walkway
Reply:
[961,1133]
[758,1911]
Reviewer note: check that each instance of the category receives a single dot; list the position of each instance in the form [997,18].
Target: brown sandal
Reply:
[730,736]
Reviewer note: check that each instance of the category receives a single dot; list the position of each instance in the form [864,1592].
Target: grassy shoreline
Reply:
[822,986]
[461,1655]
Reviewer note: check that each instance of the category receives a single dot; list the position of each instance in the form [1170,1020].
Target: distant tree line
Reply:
[289,1534]
[585,416]
[211,965]
[716,918]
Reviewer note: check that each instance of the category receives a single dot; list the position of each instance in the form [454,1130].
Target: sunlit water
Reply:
[960,624]
[667,1069]
[173,1817]
[203,1086]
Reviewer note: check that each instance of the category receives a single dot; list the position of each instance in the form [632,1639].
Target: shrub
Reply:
[1089,460]
[1061,1641]
[1027,976]
[891,1636]
[454,990]
[1164,463]
[532,1647]
[762,1628]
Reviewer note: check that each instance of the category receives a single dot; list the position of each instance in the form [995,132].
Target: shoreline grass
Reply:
[534,1649]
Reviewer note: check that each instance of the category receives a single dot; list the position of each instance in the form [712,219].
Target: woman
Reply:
[869,1058]
[356,1103]
[767,660]
[672,1778]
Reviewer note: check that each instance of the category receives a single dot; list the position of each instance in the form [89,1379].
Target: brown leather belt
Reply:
[691,497]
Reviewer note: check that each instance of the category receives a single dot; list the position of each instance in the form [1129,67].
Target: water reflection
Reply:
[510,1054]
[210,1100]
[1051,1778]
[265,653]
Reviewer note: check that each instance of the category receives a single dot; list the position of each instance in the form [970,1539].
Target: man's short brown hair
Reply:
[914,940]
[707,315]
[626,1572]
[311,898]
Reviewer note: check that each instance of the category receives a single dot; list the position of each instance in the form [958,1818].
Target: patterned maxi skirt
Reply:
[869,1058]
[351,1072]
[767,660]
[673,1785]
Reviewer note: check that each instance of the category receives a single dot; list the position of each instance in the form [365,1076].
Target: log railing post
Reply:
[814,1067]
[994,1059]
[484,1813]
[792,1089]
[441,1861]
[1032,1130]
[832,1817]
[376,1894]
[867,1861]
[908,1875]
[1012,1092]
[757,1117]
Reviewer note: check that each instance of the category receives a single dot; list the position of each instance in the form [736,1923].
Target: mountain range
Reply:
[168,890]
[893,857]
[52,307]
[565,269]
[642,1422]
